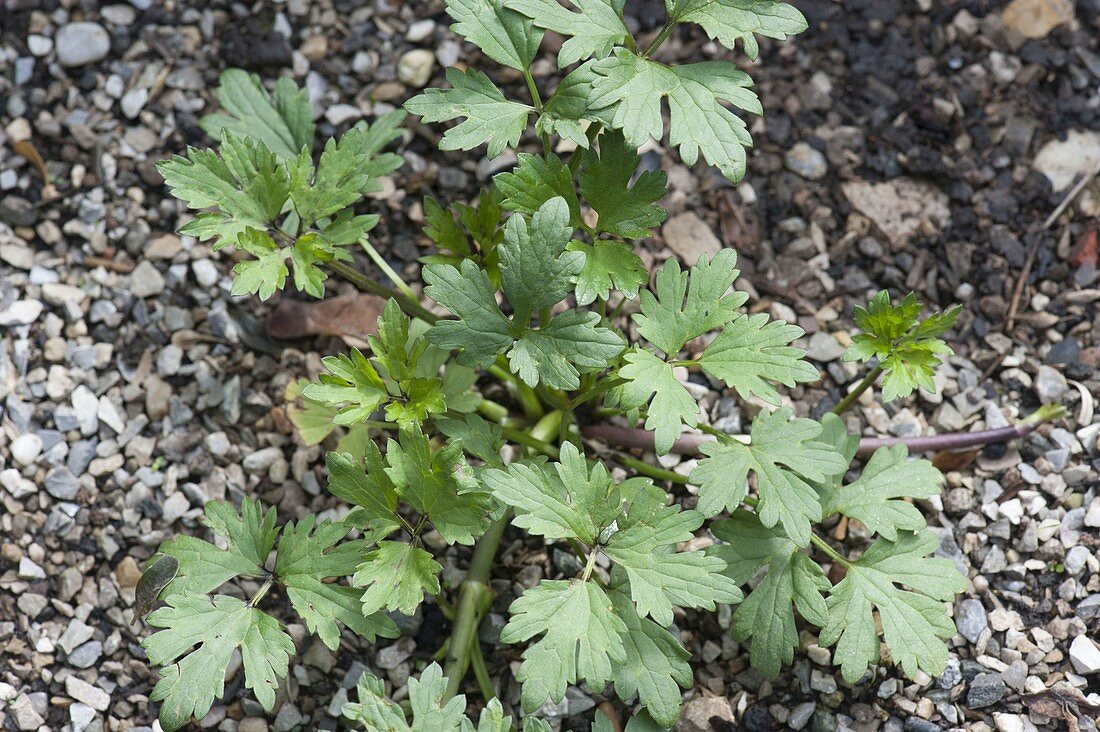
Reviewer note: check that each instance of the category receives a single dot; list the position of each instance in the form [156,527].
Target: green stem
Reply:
[828,550]
[661,37]
[474,599]
[366,284]
[524,438]
[528,400]
[383,265]
[492,411]
[590,564]
[481,672]
[657,473]
[854,394]
[601,387]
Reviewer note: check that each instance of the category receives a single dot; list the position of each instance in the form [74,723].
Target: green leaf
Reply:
[246,184]
[534,181]
[565,112]
[908,349]
[591,32]
[568,501]
[872,500]
[604,179]
[490,118]
[783,454]
[481,330]
[283,122]
[441,227]
[425,698]
[648,377]
[203,567]
[367,141]
[660,577]
[263,275]
[728,21]
[608,264]
[351,384]
[678,313]
[478,436]
[371,490]
[793,580]
[914,622]
[573,343]
[656,665]
[751,351]
[635,87]
[337,182]
[195,676]
[396,577]
[439,484]
[581,638]
[502,34]
[535,270]
[308,556]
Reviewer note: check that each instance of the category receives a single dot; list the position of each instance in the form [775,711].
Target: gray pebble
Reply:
[82,43]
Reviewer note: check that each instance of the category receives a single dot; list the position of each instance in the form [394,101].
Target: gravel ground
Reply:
[908,145]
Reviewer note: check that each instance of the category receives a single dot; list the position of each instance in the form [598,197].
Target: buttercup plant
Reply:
[530,287]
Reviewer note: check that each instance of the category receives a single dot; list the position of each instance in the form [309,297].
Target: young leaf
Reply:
[872,500]
[351,384]
[728,21]
[608,264]
[573,343]
[192,679]
[656,665]
[307,557]
[913,622]
[582,638]
[502,34]
[564,113]
[604,179]
[784,455]
[660,577]
[396,577]
[535,270]
[425,698]
[439,484]
[635,87]
[648,377]
[668,319]
[441,227]
[481,330]
[283,121]
[751,351]
[793,580]
[263,275]
[490,118]
[245,183]
[534,181]
[591,32]
[908,349]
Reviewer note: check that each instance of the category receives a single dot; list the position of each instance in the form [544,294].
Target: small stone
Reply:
[1076,559]
[252,724]
[801,714]
[17,256]
[414,68]
[24,714]
[39,45]
[1050,385]
[80,690]
[58,295]
[86,655]
[79,44]
[824,347]
[985,690]
[339,114]
[164,247]
[30,570]
[21,312]
[900,208]
[25,449]
[145,280]
[420,30]
[1063,161]
[261,460]
[32,604]
[61,484]
[1011,723]
[108,414]
[1037,18]
[175,506]
[690,237]
[1084,655]
[970,619]
[127,572]
[217,444]
[806,161]
[698,713]
[81,715]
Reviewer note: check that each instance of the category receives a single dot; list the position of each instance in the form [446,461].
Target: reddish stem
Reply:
[690,443]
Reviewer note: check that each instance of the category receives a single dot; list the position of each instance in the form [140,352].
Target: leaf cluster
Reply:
[269,198]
